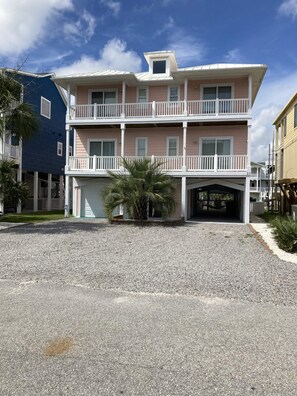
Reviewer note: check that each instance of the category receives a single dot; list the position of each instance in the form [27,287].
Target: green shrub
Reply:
[285,231]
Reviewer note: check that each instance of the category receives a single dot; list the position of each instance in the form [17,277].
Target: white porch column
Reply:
[49,192]
[123,127]
[248,143]
[186,96]
[185,126]
[250,88]
[35,192]
[68,103]
[184,198]
[123,98]
[20,170]
[246,200]
[61,189]
[66,208]
[66,211]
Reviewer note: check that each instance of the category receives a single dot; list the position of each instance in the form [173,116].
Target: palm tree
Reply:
[11,191]
[15,116]
[141,186]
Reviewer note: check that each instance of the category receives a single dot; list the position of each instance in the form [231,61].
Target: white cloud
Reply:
[23,23]
[81,30]
[167,26]
[289,8]
[114,56]
[189,50]
[273,96]
[114,6]
[234,56]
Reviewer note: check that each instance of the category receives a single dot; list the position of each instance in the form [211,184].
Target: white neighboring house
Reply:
[259,181]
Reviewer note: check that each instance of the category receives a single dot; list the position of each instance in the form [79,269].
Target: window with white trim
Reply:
[141,147]
[159,67]
[172,146]
[60,149]
[142,95]
[173,94]
[219,146]
[211,93]
[70,151]
[45,107]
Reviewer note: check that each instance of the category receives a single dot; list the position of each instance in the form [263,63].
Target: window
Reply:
[102,148]
[173,94]
[159,67]
[141,147]
[285,126]
[60,149]
[142,95]
[45,107]
[295,115]
[100,98]
[70,151]
[210,94]
[172,146]
[219,146]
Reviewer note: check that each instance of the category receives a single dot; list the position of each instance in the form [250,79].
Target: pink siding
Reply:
[159,93]
[84,135]
[157,138]
[82,94]
[240,87]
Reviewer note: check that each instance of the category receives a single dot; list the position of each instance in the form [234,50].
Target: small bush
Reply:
[285,231]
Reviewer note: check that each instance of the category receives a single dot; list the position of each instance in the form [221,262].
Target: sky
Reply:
[69,36]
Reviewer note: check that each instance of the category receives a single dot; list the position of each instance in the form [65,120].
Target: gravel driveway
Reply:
[209,260]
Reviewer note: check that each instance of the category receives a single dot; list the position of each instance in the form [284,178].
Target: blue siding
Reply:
[40,151]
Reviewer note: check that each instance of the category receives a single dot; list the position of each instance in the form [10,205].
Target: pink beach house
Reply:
[195,120]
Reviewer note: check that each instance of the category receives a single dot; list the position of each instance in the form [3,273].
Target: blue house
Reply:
[41,159]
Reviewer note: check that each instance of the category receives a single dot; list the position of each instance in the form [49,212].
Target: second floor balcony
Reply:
[191,110]
[175,165]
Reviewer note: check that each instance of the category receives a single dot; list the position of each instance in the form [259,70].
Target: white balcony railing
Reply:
[205,108]
[193,163]
[11,152]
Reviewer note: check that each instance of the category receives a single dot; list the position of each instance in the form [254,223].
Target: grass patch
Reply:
[32,217]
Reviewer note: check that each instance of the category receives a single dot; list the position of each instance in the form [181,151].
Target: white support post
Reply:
[248,144]
[186,97]
[68,103]
[49,192]
[61,191]
[154,109]
[250,87]
[66,209]
[184,198]
[123,140]
[185,127]
[123,98]
[67,147]
[217,106]
[35,194]
[20,170]
[246,200]
[215,163]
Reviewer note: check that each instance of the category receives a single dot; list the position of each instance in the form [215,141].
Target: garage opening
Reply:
[215,203]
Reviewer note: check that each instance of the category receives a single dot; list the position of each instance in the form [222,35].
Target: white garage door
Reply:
[91,201]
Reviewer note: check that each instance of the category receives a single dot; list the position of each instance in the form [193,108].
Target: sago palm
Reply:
[140,186]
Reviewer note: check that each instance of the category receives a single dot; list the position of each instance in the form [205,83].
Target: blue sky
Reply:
[67,36]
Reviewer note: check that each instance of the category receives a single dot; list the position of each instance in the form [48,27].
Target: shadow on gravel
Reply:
[59,227]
